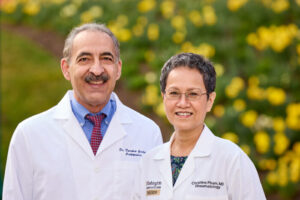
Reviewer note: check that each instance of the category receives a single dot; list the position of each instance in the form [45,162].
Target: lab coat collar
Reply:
[64,110]
[64,114]
[202,148]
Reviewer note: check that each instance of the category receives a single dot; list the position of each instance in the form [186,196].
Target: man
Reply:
[88,145]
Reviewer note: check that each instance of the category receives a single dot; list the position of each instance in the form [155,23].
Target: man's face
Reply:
[93,69]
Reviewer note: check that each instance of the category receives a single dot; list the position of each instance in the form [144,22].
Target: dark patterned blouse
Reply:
[176,165]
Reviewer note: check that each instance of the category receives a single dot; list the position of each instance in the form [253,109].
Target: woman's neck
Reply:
[184,142]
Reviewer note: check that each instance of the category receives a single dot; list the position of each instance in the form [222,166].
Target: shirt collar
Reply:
[80,111]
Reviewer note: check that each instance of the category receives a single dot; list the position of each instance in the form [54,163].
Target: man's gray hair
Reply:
[93,27]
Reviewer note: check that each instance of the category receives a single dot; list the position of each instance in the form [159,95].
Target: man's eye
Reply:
[84,59]
[107,58]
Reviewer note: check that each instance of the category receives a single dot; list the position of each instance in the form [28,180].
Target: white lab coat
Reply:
[216,169]
[50,157]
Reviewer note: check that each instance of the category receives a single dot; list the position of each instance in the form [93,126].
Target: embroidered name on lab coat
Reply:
[208,184]
[153,187]
[131,152]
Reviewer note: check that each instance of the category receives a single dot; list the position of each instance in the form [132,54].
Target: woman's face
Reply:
[183,113]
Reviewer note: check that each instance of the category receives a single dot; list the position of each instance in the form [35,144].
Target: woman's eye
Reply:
[193,94]
[174,93]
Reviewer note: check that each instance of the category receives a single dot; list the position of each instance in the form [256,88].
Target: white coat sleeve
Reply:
[244,181]
[18,172]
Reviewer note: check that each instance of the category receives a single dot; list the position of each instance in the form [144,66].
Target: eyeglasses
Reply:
[192,95]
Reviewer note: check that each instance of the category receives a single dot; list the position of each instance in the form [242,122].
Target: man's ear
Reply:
[119,68]
[64,65]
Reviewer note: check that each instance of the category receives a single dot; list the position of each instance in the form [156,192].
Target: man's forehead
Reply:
[92,40]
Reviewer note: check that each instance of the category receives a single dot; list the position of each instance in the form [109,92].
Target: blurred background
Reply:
[254,45]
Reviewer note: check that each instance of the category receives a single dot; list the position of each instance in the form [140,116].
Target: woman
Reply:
[194,164]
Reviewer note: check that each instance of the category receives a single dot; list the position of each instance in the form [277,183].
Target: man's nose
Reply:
[97,68]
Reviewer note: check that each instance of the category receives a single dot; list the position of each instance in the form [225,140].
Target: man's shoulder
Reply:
[38,119]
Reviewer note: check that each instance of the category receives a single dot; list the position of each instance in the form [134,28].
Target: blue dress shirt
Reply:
[80,112]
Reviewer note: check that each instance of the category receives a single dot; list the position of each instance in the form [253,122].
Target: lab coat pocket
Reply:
[206,198]
[124,178]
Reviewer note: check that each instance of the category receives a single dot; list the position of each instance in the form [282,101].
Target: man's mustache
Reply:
[102,77]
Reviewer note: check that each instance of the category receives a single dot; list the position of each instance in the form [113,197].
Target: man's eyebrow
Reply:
[83,54]
[107,53]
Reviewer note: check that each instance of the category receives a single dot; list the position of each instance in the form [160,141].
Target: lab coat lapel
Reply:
[70,124]
[202,148]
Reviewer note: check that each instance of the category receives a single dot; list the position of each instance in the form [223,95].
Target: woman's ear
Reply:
[210,101]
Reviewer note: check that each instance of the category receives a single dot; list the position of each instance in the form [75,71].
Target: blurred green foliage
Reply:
[255,47]
[31,82]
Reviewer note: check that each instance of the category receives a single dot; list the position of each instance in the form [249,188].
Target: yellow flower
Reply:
[253,81]
[256,93]
[149,56]
[167,8]
[267,164]
[195,18]
[235,86]
[298,2]
[178,37]
[272,178]
[276,96]
[231,136]
[219,69]
[246,148]
[8,6]
[153,31]
[295,169]
[68,11]
[187,47]
[281,143]
[209,15]
[86,17]
[249,118]
[138,30]
[151,95]
[219,110]
[282,174]
[278,124]
[178,22]
[146,5]
[262,122]
[96,11]
[206,50]
[122,20]
[142,20]
[32,8]
[124,35]
[151,77]
[239,105]
[234,5]
[280,5]
[160,110]
[262,142]
[296,148]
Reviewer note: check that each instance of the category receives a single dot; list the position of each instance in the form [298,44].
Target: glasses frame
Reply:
[186,94]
